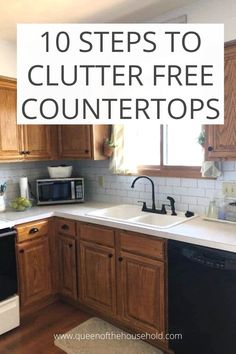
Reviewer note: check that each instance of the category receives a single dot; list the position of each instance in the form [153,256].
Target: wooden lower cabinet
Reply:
[66,242]
[34,271]
[67,266]
[117,274]
[97,277]
[142,292]
[126,281]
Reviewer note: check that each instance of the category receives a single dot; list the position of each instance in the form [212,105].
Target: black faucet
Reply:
[145,208]
[172,205]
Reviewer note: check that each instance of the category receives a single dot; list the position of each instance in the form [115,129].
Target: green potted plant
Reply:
[108,147]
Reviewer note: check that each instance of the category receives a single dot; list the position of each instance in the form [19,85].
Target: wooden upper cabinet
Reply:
[221,139]
[10,133]
[37,142]
[42,142]
[82,141]
[18,142]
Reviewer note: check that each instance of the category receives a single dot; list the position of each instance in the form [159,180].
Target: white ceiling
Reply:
[76,11]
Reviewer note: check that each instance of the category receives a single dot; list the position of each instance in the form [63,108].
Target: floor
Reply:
[35,335]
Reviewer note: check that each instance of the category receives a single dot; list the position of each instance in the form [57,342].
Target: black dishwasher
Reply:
[201,299]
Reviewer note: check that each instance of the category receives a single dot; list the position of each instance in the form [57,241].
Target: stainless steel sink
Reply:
[134,215]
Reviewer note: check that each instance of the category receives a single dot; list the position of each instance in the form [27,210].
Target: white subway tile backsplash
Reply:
[229,166]
[173,182]
[189,200]
[203,201]
[206,183]
[189,182]
[194,194]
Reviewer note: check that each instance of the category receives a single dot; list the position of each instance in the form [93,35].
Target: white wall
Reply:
[7,58]
[208,11]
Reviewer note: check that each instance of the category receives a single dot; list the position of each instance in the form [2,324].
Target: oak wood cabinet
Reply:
[82,141]
[221,139]
[142,283]
[34,266]
[10,133]
[97,268]
[29,142]
[37,142]
[66,244]
[122,274]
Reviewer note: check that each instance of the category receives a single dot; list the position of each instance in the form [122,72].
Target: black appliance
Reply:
[8,274]
[201,299]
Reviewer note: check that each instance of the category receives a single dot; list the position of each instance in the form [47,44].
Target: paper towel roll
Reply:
[24,190]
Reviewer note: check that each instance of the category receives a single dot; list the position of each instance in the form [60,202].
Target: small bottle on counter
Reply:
[212,210]
[221,208]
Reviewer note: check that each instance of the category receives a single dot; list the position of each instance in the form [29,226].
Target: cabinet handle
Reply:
[21,251]
[120,259]
[70,245]
[110,255]
[33,230]
[65,227]
[210,148]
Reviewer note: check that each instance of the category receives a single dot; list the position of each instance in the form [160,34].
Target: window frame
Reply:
[170,170]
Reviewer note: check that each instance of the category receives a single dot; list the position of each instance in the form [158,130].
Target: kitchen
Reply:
[80,261]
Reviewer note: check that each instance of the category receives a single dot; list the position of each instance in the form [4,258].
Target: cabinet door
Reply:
[221,139]
[34,271]
[10,132]
[97,277]
[75,141]
[142,292]
[38,144]
[67,266]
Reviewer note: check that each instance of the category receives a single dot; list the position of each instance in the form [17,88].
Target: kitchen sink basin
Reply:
[134,215]
[123,212]
[162,221]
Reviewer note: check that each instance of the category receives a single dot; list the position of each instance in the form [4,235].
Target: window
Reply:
[163,150]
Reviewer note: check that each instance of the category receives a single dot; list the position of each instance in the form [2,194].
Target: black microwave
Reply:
[59,191]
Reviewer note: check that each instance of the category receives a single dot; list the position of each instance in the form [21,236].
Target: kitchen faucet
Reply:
[145,208]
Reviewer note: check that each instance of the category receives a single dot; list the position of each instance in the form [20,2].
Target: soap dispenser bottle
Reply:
[212,210]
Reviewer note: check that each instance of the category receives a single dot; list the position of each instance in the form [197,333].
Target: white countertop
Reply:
[195,231]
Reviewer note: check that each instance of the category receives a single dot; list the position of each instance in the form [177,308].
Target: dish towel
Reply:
[211,169]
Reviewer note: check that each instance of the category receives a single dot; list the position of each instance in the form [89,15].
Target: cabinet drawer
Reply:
[97,234]
[32,230]
[143,245]
[66,227]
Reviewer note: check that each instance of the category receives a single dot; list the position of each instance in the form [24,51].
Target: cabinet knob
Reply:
[70,245]
[86,151]
[210,148]
[65,227]
[33,230]
[110,255]
[21,251]
[22,152]
[120,259]
[27,152]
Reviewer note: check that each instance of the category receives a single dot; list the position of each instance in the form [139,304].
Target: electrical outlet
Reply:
[229,189]
[101,181]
